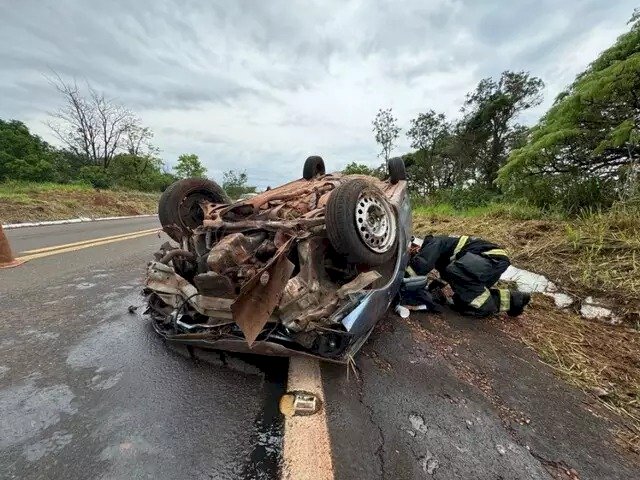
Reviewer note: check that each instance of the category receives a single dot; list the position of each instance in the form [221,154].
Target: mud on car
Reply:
[306,268]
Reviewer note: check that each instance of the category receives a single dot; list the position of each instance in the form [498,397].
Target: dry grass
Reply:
[602,360]
[28,202]
[597,255]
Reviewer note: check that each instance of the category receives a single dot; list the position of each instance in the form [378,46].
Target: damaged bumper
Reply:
[262,276]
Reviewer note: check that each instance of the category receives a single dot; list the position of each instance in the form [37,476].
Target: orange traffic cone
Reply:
[6,257]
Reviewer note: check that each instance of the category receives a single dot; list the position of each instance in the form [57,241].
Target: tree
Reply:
[591,134]
[385,127]
[431,166]
[490,114]
[24,156]
[190,166]
[91,125]
[235,183]
[361,169]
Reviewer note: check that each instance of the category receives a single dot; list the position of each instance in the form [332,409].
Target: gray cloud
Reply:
[261,85]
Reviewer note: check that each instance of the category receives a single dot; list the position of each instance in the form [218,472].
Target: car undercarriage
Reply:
[305,268]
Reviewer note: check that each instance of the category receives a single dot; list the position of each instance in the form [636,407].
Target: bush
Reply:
[96,176]
[464,197]
[565,193]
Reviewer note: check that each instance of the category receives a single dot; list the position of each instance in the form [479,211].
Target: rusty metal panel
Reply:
[261,294]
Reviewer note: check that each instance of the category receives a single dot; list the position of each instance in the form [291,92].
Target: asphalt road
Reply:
[88,391]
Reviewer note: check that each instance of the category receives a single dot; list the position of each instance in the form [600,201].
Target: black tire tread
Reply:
[313,166]
[172,197]
[341,225]
[397,170]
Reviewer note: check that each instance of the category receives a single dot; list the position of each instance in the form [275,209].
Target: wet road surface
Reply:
[87,390]
[28,238]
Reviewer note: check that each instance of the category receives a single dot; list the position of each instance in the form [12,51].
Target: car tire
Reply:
[361,223]
[178,208]
[313,167]
[397,170]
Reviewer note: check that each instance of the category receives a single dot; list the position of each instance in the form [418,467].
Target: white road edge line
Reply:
[307,446]
[72,220]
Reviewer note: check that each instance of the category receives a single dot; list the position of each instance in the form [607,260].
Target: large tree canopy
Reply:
[592,132]
[491,112]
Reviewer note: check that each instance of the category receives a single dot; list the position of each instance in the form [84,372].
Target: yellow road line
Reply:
[307,447]
[84,242]
[72,247]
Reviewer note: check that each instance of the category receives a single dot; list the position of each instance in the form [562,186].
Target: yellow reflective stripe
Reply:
[496,251]
[461,243]
[481,299]
[411,272]
[505,300]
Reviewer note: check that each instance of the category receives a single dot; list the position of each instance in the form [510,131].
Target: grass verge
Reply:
[602,360]
[32,202]
[597,254]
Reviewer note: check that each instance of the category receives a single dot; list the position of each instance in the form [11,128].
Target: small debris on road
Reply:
[299,403]
[418,423]
[429,463]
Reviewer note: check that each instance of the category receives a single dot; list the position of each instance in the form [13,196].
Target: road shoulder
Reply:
[454,398]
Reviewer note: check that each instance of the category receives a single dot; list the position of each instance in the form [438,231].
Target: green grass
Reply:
[27,201]
[21,191]
[511,210]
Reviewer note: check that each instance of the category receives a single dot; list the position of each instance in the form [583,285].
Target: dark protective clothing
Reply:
[471,266]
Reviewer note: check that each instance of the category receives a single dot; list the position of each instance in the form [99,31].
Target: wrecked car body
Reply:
[306,268]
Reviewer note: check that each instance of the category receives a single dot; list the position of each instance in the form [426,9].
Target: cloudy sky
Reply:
[260,85]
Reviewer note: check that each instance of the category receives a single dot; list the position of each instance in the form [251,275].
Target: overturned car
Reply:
[306,268]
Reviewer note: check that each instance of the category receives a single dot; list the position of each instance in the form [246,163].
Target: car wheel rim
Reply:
[375,222]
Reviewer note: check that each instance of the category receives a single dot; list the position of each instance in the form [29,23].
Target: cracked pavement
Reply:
[452,397]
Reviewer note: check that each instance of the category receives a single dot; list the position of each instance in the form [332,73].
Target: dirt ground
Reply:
[40,203]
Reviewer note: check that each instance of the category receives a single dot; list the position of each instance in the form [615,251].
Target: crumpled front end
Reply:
[262,276]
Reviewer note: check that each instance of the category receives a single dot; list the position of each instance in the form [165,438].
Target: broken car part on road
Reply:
[305,268]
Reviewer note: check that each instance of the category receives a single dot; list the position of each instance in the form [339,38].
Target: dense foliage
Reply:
[585,150]
[190,166]
[105,145]
[25,156]
[584,153]
[469,151]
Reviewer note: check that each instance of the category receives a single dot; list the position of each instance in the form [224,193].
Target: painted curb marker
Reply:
[72,220]
[307,447]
